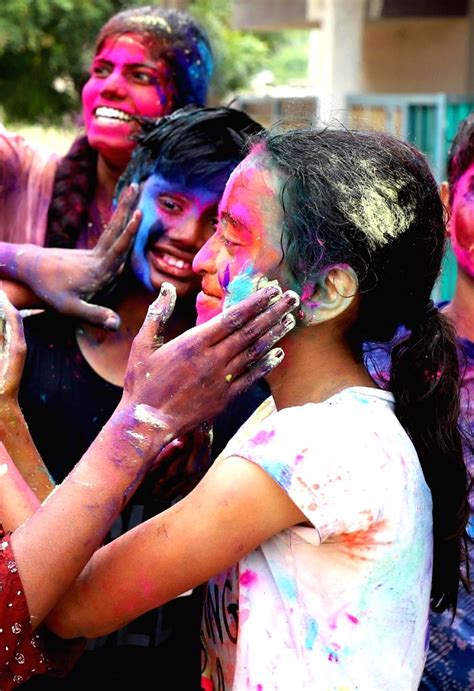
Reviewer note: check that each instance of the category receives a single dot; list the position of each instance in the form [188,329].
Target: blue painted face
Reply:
[177,220]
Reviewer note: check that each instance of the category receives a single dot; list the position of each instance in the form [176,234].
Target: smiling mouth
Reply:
[168,263]
[105,113]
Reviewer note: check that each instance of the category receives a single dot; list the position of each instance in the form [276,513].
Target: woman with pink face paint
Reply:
[148,62]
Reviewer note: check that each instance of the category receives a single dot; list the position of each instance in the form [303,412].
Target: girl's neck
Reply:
[316,366]
[461,308]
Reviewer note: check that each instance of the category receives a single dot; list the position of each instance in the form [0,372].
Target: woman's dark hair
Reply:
[73,190]
[169,34]
[191,146]
[370,201]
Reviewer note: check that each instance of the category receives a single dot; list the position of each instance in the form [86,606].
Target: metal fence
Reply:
[429,121]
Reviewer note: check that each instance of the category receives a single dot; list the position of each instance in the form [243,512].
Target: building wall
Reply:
[415,55]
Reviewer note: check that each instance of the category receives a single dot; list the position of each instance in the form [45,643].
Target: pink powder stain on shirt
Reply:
[263,437]
[352,618]
[248,578]
[298,458]
[243,615]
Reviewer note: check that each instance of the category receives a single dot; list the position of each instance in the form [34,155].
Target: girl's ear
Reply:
[333,293]
[444,194]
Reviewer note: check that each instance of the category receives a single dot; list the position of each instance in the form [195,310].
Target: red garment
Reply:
[22,650]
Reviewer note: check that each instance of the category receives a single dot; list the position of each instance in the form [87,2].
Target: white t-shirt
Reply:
[344,604]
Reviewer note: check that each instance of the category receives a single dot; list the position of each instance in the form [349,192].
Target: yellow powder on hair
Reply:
[372,203]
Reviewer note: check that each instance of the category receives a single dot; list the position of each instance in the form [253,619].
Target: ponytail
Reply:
[425,383]
[73,191]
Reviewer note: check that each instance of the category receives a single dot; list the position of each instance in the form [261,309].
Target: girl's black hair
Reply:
[370,201]
[169,34]
[192,146]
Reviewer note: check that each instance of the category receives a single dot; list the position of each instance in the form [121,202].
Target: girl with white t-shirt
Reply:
[336,515]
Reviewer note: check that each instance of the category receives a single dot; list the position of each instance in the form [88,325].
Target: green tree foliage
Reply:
[289,62]
[238,54]
[45,47]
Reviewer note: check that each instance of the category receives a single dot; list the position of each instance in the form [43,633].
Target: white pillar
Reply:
[335,61]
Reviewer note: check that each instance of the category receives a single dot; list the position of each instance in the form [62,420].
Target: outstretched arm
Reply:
[235,508]
[66,279]
[194,385]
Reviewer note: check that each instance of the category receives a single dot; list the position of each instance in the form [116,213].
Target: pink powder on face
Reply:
[126,78]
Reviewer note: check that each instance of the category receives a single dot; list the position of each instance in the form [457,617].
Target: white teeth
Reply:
[179,263]
[113,113]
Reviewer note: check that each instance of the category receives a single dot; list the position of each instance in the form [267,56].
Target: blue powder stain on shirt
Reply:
[311,634]
[286,586]
[43,397]
[280,472]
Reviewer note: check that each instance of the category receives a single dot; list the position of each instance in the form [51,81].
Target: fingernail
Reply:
[274,357]
[273,292]
[289,321]
[134,187]
[112,323]
[292,298]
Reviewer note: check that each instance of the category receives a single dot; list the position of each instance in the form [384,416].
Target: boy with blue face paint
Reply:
[74,372]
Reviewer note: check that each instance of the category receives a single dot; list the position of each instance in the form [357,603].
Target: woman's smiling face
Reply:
[125,81]
[246,246]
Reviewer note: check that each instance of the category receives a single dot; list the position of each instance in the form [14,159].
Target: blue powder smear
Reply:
[281,472]
[311,634]
[286,585]
[240,287]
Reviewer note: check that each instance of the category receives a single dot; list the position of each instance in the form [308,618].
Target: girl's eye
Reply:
[228,243]
[100,70]
[144,77]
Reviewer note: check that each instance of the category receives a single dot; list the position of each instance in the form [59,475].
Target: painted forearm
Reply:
[61,536]
[16,437]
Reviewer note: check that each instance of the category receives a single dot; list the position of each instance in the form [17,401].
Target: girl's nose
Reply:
[114,86]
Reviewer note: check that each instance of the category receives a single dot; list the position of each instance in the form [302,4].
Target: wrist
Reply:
[17,260]
[10,412]
[142,428]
